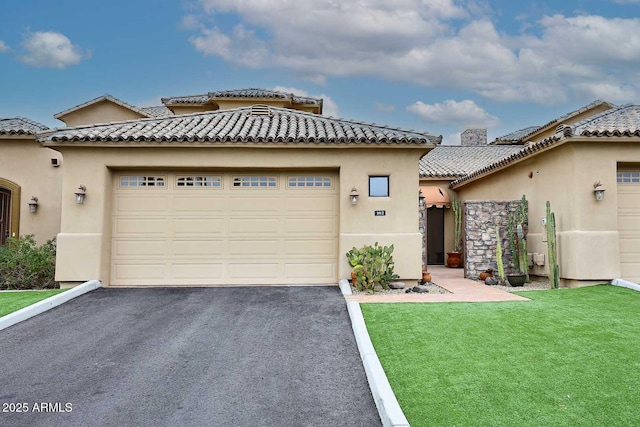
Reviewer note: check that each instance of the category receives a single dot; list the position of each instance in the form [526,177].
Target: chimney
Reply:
[473,137]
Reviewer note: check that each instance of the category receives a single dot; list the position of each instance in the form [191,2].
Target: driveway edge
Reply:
[625,284]
[389,409]
[47,304]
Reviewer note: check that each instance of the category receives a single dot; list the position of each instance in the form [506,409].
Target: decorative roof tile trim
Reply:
[256,93]
[20,126]
[622,121]
[562,118]
[239,126]
[100,99]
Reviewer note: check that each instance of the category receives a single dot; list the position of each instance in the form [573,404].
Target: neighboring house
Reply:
[251,195]
[28,170]
[597,240]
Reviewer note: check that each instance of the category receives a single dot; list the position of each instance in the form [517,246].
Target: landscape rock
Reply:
[491,281]
[396,285]
[420,289]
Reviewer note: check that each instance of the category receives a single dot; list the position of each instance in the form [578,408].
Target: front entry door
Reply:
[5,215]
[435,236]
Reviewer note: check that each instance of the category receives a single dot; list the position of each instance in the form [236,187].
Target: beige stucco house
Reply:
[598,240]
[254,194]
[28,171]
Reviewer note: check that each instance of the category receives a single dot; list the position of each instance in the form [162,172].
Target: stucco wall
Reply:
[24,162]
[84,240]
[587,229]
[101,112]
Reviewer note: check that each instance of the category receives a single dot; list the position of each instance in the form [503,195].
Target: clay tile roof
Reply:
[622,121]
[20,126]
[157,111]
[241,93]
[517,136]
[241,125]
[520,136]
[451,161]
[100,99]
[616,122]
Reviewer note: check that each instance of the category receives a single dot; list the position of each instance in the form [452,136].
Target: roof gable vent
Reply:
[260,110]
[564,130]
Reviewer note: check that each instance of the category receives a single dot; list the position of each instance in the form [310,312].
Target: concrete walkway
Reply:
[451,279]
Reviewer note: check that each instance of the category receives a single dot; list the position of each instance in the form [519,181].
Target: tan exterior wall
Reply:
[587,229]
[28,165]
[85,238]
[101,112]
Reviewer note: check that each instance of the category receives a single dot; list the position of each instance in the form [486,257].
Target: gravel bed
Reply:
[432,288]
[536,284]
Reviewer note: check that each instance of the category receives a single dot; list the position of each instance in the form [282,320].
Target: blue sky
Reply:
[435,65]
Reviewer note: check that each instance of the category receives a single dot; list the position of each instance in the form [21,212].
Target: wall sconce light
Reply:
[421,199]
[598,190]
[33,204]
[80,193]
[354,196]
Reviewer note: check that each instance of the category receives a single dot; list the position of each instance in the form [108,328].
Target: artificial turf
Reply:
[14,301]
[568,357]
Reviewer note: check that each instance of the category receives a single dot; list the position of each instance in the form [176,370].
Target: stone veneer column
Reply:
[480,221]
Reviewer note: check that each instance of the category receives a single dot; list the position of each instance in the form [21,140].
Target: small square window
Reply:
[378,186]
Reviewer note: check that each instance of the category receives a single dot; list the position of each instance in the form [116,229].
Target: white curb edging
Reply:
[345,287]
[47,304]
[388,407]
[625,284]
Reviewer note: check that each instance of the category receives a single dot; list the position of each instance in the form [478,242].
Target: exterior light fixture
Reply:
[420,199]
[598,190]
[33,204]
[80,193]
[354,196]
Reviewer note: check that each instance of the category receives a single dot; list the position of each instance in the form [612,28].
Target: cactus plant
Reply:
[456,205]
[499,256]
[518,238]
[554,268]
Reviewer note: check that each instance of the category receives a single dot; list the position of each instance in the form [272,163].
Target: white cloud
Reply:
[329,107]
[50,49]
[3,47]
[435,43]
[462,114]
[384,107]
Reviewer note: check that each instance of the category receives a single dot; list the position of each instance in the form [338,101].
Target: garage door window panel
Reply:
[202,181]
[629,177]
[255,182]
[310,182]
[129,181]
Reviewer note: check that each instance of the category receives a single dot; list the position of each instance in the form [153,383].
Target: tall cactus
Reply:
[518,237]
[456,205]
[554,268]
[499,255]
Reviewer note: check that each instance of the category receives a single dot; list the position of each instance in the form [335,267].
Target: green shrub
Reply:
[25,265]
[373,266]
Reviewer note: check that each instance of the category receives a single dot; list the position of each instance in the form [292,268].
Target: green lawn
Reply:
[569,357]
[14,301]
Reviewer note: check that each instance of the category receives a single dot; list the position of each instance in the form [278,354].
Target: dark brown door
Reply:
[5,215]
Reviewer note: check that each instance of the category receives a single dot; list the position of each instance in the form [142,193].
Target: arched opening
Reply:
[436,199]
[9,210]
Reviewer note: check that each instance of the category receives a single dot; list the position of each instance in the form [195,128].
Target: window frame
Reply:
[388,179]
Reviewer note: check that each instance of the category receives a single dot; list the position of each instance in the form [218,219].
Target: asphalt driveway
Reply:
[248,356]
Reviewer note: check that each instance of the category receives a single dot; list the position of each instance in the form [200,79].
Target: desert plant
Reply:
[554,268]
[25,265]
[456,205]
[518,238]
[499,256]
[373,266]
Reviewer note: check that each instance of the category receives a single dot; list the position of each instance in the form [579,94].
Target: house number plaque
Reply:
[379,213]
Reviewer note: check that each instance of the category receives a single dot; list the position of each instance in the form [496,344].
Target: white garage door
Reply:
[224,228]
[629,224]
